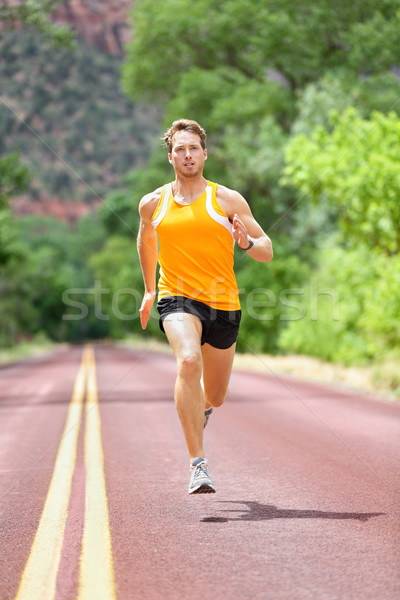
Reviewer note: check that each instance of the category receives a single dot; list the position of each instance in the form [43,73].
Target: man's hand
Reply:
[239,232]
[145,309]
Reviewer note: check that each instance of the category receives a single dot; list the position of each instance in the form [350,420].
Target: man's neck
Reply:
[188,190]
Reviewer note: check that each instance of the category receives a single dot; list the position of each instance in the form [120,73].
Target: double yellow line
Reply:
[96,579]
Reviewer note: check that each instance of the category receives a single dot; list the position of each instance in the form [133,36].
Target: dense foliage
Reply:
[354,168]
[14,178]
[35,14]
[301,106]
[48,277]
[300,103]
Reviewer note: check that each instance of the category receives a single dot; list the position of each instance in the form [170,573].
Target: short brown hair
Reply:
[184,125]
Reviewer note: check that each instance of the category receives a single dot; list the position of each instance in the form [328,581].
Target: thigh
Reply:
[183,331]
[217,368]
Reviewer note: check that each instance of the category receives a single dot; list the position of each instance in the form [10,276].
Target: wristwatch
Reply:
[251,244]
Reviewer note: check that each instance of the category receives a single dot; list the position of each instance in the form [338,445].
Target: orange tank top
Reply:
[196,250]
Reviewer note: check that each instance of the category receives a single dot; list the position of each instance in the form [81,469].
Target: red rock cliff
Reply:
[101,24]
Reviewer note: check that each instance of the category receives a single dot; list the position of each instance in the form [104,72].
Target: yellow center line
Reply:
[38,581]
[96,580]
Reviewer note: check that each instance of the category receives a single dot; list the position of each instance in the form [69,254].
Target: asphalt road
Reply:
[94,476]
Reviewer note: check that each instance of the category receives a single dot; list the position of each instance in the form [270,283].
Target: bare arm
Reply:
[244,225]
[148,254]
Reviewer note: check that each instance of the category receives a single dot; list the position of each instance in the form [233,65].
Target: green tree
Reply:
[14,178]
[336,91]
[119,288]
[14,175]
[36,14]
[354,168]
[50,280]
[256,75]
[282,67]
[271,296]
[352,307]
[351,168]
[254,37]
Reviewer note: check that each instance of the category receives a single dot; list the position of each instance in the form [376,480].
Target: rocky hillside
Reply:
[100,24]
[64,111]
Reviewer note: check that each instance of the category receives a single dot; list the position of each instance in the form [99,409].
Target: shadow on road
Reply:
[264,512]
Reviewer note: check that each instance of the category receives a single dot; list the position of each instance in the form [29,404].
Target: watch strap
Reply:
[251,244]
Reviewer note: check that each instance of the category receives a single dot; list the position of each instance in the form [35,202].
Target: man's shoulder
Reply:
[148,203]
[228,198]
[226,193]
[151,196]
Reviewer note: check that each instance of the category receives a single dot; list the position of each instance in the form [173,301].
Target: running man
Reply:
[190,226]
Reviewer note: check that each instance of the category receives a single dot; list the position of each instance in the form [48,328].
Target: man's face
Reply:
[187,155]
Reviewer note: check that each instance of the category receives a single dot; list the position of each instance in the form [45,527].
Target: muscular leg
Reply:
[183,331]
[217,367]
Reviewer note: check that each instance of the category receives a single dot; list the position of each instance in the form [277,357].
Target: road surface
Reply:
[94,477]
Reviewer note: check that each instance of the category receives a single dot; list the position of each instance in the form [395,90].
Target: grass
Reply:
[379,379]
[26,349]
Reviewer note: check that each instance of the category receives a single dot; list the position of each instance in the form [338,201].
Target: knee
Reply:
[189,365]
[216,398]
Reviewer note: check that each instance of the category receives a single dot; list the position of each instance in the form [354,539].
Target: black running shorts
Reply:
[220,327]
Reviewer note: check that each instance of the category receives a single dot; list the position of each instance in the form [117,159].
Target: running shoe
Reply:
[200,480]
[207,414]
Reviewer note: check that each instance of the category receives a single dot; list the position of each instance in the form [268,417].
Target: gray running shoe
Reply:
[200,480]
[207,414]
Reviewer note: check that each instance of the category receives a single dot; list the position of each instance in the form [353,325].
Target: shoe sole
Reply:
[203,490]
